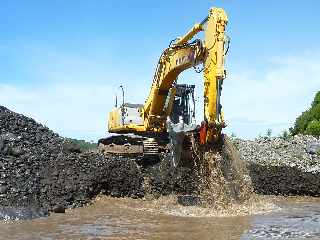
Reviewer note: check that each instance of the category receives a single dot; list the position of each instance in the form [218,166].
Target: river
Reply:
[110,218]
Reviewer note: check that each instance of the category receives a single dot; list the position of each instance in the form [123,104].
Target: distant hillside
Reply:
[309,121]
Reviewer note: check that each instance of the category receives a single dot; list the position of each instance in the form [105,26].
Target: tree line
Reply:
[308,122]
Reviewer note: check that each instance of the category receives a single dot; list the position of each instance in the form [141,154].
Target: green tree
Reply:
[308,122]
[315,113]
[83,145]
[285,134]
[316,100]
[313,128]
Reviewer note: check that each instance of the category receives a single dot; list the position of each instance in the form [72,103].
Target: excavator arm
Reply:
[173,61]
[183,55]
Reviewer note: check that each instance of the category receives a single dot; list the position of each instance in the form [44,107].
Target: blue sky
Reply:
[62,61]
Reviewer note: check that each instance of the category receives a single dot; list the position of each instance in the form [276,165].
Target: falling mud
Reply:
[209,182]
[224,179]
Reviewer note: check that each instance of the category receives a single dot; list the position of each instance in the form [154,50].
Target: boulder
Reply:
[313,148]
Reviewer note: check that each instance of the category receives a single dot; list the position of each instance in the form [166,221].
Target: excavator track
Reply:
[131,146]
[126,145]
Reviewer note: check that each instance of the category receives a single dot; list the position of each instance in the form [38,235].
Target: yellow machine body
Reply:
[181,55]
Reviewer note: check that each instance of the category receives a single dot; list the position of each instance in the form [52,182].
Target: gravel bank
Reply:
[283,166]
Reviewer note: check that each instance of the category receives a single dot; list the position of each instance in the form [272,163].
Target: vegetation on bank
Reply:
[83,145]
[308,122]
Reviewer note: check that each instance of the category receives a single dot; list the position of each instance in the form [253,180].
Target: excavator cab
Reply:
[183,104]
[128,116]
[125,116]
[140,143]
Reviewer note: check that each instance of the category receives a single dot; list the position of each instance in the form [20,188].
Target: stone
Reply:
[188,200]
[16,151]
[1,144]
[59,209]
[313,148]
[71,148]
[10,137]
[49,171]
[3,189]
[283,166]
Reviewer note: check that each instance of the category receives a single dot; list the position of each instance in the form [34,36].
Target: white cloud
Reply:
[271,98]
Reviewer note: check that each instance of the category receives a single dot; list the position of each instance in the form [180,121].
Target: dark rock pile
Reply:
[163,179]
[283,166]
[40,169]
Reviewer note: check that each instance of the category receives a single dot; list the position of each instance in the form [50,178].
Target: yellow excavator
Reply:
[169,112]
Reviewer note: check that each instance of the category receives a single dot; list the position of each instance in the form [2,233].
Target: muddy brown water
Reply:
[108,218]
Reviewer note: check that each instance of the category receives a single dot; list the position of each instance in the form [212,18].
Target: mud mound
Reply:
[163,179]
[41,169]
